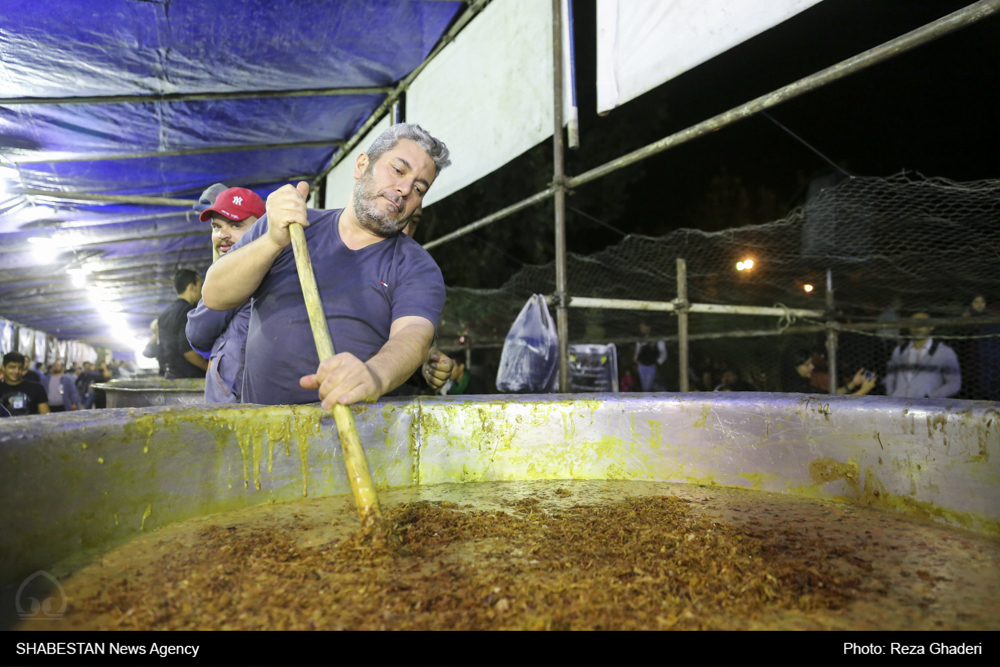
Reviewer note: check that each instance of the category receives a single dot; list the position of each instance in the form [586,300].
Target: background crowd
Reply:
[960,362]
[31,389]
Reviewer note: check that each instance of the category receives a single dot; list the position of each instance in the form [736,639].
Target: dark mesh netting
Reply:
[893,246]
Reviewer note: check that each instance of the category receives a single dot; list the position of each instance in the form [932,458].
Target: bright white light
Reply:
[78,280]
[39,239]
[808,288]
[43,254]
[6,173]
[125,335]
[747,263]
[739,266]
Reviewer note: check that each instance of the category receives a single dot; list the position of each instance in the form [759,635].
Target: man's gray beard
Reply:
[366,209]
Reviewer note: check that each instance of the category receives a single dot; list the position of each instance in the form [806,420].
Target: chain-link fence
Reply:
[893,247]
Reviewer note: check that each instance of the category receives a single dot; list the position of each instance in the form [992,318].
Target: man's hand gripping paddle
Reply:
[354,456]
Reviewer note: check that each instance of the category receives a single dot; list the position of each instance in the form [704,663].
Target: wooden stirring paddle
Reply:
[354,456]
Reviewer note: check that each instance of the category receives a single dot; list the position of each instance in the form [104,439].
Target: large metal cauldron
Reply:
[152,392]
[74,482]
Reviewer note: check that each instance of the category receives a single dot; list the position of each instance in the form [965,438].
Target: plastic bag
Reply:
[530,360]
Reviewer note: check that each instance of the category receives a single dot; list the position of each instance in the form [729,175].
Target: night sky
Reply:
[933,110]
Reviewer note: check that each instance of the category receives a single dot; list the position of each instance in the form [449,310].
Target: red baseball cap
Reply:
[235,204]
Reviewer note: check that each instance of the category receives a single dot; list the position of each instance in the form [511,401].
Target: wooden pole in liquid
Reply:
[354,456]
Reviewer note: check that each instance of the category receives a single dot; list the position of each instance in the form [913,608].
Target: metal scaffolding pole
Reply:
[682,324]
[931,31]
[558,182]
[122,199]
[831,335]
[152,98]
[671,306]
[188,151]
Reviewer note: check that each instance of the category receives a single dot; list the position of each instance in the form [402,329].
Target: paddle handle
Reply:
[354,456]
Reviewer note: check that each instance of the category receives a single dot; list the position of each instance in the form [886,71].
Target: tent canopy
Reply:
[162,99]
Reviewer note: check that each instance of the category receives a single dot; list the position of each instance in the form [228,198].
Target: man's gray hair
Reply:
[386,141]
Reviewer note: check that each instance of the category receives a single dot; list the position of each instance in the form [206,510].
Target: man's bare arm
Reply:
[196,359]
[406,350]
[345,379]
[236,275]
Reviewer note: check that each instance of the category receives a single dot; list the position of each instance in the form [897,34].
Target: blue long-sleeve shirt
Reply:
[225,334]
[929,372]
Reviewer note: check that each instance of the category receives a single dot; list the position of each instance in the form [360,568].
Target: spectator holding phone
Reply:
[803,382]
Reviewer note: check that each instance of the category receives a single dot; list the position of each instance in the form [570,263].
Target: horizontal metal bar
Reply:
[669,306]
[187,151]
[618,304]
[113,240]
[195,97]
[752,310]
[77,293]
[140,199]
[121,199]
[894,47]
[502,213]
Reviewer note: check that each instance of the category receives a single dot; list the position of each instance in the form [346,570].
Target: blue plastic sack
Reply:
[530,360]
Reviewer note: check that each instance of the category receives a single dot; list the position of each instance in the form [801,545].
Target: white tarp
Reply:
[6,337]
[487,95]
[26,341]
[644,43]
[41,342]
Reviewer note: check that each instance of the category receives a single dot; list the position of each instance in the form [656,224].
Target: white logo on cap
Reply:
[238,201]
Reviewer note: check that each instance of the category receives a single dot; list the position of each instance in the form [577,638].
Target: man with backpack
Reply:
[924,367]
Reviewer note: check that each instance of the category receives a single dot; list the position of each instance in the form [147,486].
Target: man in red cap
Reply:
[225,332]
[232,214]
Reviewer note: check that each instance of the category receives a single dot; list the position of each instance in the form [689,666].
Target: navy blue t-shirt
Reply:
[363,292]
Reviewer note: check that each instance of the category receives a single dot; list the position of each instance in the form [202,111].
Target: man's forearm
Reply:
[232,279]
[196,359]
[401,355]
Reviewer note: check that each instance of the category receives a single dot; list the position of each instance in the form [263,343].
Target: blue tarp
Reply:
[100,48]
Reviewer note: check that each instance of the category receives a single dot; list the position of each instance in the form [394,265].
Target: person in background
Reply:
[83,381]
[628,381]
[221,336]
[438,368]
[125,369]
[980,357]
[152,349]
[462,382]
[209,196]
[61,390]
[924,367]
[411,226]
[33,375]
[181,360]
[731,381]
[805,368]
[17,395]
[102,373]
[649,356]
